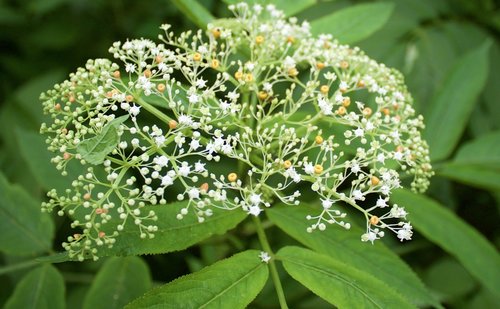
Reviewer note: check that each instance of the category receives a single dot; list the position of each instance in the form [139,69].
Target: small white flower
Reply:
[405,233]
[162,161]
[327,203]
[265,257]
[186,120]
[359,132]
[195,144]
[129,67]
[381,202]
[134,110]
[184,170]
[194,98]
[254,210]
[255,199]
[167,181]
[358,195]
[381,158]
[325,106]
[199,167]
[194,193]
[309,168]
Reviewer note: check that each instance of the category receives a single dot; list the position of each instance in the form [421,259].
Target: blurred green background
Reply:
[42,41]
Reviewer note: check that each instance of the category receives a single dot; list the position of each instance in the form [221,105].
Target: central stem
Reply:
[272,264]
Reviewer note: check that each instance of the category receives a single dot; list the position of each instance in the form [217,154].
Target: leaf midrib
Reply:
[339,277]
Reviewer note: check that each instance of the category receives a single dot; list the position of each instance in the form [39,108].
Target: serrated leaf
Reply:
[446,117]
[346,247]
[42,288]
[23,228]
[354,23]
[119,281]
[95,149]
[195,12]
[339,283]
[230,283]
[172,234]
[444,228]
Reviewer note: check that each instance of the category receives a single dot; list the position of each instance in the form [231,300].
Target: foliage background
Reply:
[436,44]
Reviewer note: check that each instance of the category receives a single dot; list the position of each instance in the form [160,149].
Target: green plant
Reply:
[250,134]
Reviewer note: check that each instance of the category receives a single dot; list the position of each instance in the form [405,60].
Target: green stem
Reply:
[153,110]
[272,265]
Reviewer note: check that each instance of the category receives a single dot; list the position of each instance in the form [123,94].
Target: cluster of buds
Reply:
[252,112]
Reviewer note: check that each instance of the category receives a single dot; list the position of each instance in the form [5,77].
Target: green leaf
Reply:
[483,151]
[292,7]
[438,275]
[195,12]
[23,228]
[339,283]
[172,234]
[354,23]
[230,283]
[455,236]
[94,150]
[452,105]
[289,7]
[34,151]
[346,247]
[42,288]
[477,163]
[481,177]
[120,280]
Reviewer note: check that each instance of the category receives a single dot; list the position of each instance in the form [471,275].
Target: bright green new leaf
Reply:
[195,12]
[119,281]
[230,283]
[452,234]
[339,283]
[352,24]
[346,247]
[42,288]
[446,117]
[24,229]
[173,234]
[94,150]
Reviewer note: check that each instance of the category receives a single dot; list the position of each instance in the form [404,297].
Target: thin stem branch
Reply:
[272,264]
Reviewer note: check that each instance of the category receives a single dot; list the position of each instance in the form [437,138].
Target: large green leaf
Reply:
[339,283]
[354,23]
[120,280]
[195,12]
[173,234]
[481,177]
[289,7]
[23,227]
[42,288]
[450,108]
[455,236]
[230,283]
[95,149]
[346,247]
[483,151]
[34,151]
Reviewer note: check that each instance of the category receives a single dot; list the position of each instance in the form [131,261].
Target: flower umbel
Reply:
[254,112]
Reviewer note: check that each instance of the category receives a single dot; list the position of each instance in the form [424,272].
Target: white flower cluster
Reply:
[253,112]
